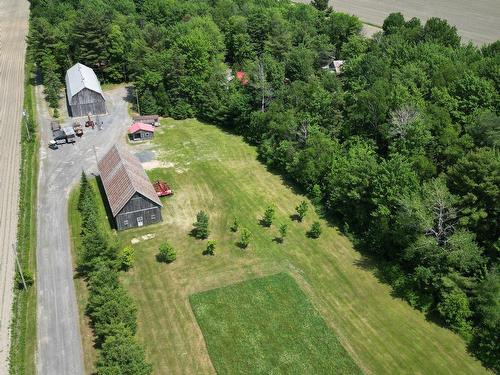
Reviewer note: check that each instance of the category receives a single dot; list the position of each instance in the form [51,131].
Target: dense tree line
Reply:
[112,312]
[401,149]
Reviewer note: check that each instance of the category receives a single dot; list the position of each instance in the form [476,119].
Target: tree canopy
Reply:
[401,148]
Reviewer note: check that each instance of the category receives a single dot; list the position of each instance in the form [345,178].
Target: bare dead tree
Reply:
[303,132]
[432,211]
[442,213]
[401,120]
[444,221]
[262,85]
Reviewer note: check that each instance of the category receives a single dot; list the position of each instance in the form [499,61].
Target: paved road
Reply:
[477,21]
[13,29]
[59,341]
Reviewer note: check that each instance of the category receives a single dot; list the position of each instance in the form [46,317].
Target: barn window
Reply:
[125,223]
[153,216]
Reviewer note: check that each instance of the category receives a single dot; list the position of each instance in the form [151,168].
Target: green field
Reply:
[23,324]
[215,171]
[268,325]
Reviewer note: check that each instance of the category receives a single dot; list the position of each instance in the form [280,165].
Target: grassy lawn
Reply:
[23,324]
[268,325]
[217,172]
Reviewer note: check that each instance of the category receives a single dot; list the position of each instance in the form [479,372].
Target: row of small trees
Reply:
[201,229]
[112,312]
[301,211]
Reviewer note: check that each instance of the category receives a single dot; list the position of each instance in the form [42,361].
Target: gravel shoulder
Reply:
[13,30]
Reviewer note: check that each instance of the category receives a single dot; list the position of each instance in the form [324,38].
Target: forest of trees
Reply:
[400,151]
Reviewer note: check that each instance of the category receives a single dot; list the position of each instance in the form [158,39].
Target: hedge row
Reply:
[112,312]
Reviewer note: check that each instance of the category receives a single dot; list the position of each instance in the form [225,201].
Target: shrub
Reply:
[302,209]
[28,279]
[267,219]
[454,308]
[315,230]
[108,307]
[122,354]
[104,275]
[236,224]
[126,258]
[283,232]
[245,238]
[166,253]
[200,230]
[210,248]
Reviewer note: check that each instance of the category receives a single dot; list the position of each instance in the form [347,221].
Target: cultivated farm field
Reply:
[476,21]
[214,171]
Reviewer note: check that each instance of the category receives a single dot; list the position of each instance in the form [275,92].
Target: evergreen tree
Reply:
[200,230]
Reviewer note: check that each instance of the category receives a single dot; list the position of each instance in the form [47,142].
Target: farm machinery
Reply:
[89,123]
[162,189]
[77,127]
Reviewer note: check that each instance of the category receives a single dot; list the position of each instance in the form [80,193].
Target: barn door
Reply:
[140,221]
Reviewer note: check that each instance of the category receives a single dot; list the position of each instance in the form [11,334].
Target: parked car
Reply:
[59,137]
[70,134]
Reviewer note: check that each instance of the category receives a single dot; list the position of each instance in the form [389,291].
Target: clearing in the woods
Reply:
[217,172]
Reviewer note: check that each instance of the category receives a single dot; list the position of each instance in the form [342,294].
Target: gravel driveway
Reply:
[59,342]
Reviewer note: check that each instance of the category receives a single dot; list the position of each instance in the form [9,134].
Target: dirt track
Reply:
[477,21]
[13,29]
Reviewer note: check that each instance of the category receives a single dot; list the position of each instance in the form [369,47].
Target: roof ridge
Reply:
[124,162]
[134,180]
[121,157]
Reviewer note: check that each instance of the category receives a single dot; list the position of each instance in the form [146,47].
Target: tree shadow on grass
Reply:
[278,240]
[262,223]
[207,253]
[102,193]
[241,245]
[312,236]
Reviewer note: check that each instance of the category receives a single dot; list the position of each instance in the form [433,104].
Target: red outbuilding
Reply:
[141,132]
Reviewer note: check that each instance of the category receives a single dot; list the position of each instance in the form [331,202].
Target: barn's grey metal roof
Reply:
[79,77]
[122,176]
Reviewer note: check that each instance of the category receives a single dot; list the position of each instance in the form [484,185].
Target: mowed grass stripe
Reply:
[268,326]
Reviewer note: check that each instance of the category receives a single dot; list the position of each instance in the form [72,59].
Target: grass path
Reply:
[217,172]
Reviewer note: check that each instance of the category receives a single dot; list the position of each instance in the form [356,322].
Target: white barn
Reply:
[84,92]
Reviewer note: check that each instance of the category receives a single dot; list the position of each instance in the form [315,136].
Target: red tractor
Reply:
[162,189]
[89,123]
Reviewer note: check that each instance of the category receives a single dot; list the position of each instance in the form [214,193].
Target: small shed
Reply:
[141,132]
[83,91]
[131,196]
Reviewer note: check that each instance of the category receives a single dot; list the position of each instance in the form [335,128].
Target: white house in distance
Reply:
[84,92]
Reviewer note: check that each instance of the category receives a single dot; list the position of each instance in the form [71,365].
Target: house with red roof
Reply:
[141,132]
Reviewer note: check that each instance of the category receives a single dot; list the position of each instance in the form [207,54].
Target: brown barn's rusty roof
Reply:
[122,176]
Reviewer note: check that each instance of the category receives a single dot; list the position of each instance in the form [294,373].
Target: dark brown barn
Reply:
[84,92]
[132,199]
